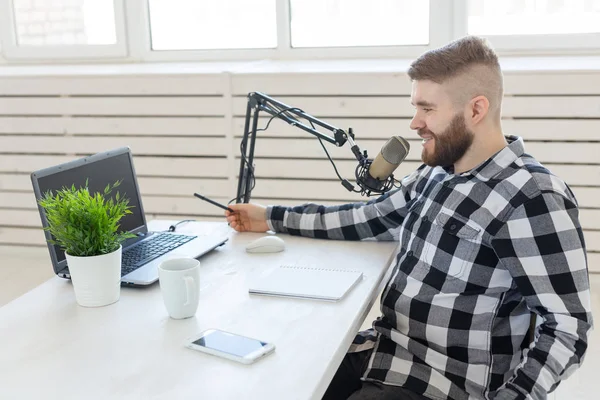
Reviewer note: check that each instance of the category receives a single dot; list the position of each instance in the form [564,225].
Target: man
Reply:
[487,237]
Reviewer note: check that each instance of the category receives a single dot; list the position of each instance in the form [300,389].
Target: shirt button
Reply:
[425,219]
[452,227]
[393,286]
[410,253]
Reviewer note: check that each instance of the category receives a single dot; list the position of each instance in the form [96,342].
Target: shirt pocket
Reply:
[451,245]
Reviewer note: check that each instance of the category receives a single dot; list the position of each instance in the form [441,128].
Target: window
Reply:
[48,29]
[201,30]
[52,22]
[533,17]
[293,29]
[204,25]
[531,26]
[334,23]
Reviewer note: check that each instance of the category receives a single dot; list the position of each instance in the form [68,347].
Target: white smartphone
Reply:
[229,345]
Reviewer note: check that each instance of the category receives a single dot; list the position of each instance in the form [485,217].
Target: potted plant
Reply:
[86,227]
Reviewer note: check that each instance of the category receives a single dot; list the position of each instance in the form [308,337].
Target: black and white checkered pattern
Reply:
[478,252]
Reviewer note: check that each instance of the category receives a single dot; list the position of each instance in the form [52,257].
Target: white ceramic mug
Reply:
[179,280]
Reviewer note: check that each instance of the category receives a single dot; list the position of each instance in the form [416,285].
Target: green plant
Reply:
[85,224]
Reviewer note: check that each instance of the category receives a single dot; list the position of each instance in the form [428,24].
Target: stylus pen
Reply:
[214,203]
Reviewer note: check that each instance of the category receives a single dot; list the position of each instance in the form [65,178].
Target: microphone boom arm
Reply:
[265,103]
[258,102]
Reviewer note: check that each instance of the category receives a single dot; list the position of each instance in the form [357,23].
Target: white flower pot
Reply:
[96,279]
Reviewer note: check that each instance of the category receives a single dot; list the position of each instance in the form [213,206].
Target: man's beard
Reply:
[450,145]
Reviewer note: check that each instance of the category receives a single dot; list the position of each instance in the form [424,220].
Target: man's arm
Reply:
[542,246]
[378,219]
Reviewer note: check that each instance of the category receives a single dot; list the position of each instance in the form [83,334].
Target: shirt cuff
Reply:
[275,217]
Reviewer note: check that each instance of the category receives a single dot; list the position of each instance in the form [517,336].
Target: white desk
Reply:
[50,348]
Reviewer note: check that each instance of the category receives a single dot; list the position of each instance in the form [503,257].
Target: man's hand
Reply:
[248,218]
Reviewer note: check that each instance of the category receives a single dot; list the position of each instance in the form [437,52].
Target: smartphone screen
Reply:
[229,343]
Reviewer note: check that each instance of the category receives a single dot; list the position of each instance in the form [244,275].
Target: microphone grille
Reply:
[395,150]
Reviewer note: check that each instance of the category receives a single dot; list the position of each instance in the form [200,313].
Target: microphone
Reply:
[376,176]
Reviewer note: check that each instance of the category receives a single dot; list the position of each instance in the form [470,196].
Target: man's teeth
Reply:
[425,140]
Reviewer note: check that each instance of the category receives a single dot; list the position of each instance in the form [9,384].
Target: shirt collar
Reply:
[498,162]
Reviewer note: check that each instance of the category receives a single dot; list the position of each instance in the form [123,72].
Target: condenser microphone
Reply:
[377,176]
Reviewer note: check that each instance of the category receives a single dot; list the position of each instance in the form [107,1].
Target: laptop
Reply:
[142,254]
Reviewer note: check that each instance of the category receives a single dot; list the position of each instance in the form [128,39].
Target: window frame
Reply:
[13,52]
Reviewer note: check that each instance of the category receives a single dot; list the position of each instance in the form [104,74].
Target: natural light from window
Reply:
[532,17]
[204,25]
[64,22]
[342,23]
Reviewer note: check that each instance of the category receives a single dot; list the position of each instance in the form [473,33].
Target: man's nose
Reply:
[417,123]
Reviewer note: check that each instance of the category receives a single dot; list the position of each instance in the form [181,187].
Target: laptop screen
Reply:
[99,174]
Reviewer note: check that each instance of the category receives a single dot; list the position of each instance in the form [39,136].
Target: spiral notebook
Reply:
[307,282]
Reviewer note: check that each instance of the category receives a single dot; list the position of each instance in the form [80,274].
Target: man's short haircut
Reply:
[471,63]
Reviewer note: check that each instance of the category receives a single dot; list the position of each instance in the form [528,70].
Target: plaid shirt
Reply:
[478,252]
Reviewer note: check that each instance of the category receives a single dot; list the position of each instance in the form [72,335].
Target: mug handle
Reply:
[189,289]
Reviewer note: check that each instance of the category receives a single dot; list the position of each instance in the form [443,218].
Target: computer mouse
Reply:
[266,244]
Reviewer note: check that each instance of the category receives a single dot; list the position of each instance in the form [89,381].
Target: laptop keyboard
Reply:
[149,249]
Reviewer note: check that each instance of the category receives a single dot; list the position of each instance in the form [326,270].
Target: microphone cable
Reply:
[344,182]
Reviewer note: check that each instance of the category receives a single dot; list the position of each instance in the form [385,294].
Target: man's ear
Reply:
[478,109]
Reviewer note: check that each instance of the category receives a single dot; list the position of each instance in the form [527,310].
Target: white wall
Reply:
[184,123]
